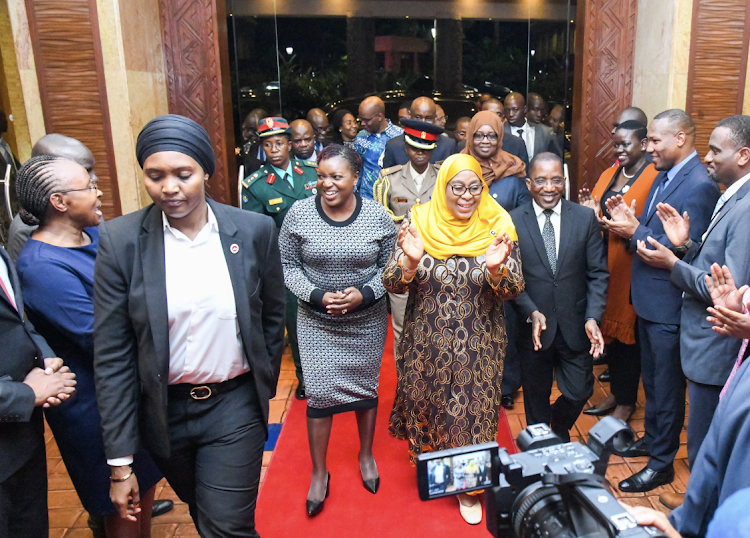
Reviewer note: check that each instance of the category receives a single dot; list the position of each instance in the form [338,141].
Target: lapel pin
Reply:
[234,249]
[493,233]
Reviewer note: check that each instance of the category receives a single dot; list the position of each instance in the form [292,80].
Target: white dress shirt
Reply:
[554,219]
[5,277]
[724,198]
[528,136]
[204,335]
[417,177]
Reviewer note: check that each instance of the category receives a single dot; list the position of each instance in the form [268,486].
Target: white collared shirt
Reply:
[528,136]
[417,177]
[204,334]
[554,219]
[724,198]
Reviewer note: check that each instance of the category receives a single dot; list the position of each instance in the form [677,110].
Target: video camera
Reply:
[551,489]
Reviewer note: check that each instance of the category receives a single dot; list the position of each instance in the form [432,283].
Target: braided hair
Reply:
[348,154]
[35,183]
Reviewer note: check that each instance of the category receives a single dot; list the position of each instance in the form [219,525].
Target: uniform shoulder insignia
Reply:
[393,170]
[438,165]
[310,164]
[249,180]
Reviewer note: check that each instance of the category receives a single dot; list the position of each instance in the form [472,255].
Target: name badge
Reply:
[275,201]
[401,200]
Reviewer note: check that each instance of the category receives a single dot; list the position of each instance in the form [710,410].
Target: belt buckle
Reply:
[200,393]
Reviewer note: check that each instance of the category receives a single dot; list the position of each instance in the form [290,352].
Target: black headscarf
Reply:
[172,132]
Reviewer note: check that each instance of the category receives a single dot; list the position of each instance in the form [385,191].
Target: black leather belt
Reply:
[207,390]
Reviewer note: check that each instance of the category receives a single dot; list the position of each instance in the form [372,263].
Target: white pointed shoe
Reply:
[471,514]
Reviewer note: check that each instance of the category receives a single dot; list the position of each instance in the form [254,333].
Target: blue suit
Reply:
[658,305]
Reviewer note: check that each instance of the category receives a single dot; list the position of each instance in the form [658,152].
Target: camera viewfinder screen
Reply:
[464,472]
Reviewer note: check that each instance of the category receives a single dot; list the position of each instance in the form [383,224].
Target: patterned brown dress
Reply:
[449,361]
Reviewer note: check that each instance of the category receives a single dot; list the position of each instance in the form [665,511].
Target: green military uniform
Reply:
[267,193]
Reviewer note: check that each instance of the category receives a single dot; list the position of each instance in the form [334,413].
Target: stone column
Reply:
[361,61]
[449,38]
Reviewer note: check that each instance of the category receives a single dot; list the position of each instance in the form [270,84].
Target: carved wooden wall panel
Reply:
[197,68]
[67,52]
[605,47]
[718,63]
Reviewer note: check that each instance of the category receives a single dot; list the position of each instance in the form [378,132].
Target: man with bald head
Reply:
[319,121]
[630,113]
[370,142]
[495,106]
[422,109]
[537,138]
[303,141]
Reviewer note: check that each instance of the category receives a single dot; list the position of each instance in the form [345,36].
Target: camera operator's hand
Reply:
[654,518]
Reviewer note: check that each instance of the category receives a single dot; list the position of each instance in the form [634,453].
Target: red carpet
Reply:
[351,511]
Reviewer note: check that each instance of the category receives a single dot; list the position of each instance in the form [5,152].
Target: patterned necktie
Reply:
[548,236]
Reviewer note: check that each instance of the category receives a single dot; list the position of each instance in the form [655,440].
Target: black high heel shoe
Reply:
[316,507]
[370,485]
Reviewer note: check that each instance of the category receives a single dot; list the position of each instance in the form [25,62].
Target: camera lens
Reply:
[539,511]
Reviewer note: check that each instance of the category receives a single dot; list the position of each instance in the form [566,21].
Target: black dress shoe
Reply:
[371,485]
[300,393]
[646,480]
[604,376]
[507,401]
[638,448]
[597,411]
[161,507]
[316,507]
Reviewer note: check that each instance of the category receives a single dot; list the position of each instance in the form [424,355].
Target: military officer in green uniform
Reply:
[272,190]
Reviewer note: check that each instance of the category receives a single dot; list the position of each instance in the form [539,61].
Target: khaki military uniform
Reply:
[396,191]
[267,193]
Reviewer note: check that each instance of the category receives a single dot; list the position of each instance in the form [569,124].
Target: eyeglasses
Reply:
[556,181]
[478,137]
[459,189]
[91,187]
[367,120]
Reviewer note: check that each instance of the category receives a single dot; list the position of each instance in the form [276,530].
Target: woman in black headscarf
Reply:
[188,335]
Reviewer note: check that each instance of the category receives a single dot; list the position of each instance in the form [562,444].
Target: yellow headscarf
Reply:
[445,235]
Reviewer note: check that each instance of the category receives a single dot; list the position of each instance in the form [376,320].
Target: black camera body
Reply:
[555,490]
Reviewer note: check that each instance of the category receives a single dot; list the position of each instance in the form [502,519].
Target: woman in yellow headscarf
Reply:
[457,255]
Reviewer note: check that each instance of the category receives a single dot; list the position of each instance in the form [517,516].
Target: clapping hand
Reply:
[411,243]
[659,256]
[622,220]
[676,226]
[727,314]
[587,200]
[497,253]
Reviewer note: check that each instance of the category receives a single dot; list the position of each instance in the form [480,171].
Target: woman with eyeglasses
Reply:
[505,174]
[56,269]
[457,256]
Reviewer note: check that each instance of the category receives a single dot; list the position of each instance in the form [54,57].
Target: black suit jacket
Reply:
[543,138]
[511,144]
[395,153]
[578,289]
[131,335]
[21,424]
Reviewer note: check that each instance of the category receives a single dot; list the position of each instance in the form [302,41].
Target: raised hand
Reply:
[723,290]
[586,200]
[730,323]
[676,226]
[411,243]
[622,220]
[659,256]
[497,253]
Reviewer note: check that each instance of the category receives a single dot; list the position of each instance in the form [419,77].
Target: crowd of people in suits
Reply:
[157,337]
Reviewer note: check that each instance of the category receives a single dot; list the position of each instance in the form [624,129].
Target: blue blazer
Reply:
[510,192]
[654,297]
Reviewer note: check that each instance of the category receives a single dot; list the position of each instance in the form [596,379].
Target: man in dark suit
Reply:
[422,109]
[708,356]
[565,269]
[685,185]
[30,378]
[538,138]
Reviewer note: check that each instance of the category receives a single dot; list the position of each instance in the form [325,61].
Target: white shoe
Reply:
[471,514]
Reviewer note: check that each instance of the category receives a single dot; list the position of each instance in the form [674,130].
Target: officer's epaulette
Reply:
[438,164]
[249,180]
[392,170]
[312,164]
